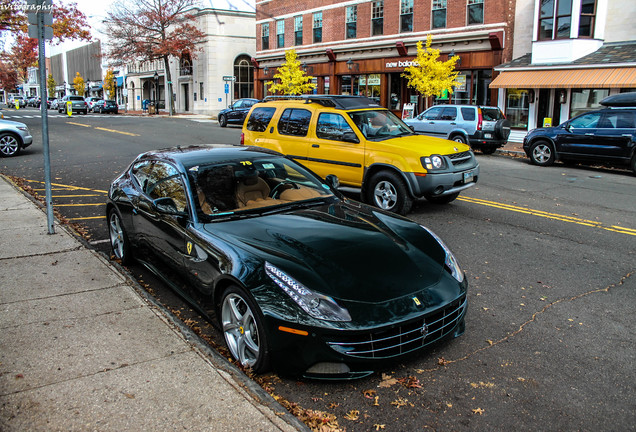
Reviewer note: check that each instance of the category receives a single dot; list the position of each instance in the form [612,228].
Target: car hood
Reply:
[11,123]
[424,145]
[348,252]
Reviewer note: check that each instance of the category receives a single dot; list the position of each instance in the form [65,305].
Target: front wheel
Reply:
[222,120]
[542,153]
[118,239]
[243,329]
[387,191]
[9,144]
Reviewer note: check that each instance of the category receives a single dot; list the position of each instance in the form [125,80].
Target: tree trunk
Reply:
[168,78]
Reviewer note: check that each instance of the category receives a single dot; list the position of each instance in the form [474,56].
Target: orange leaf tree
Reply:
[143,30]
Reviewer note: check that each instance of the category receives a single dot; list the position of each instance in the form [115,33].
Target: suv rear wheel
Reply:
[459,139]
[387,191]
[542,153]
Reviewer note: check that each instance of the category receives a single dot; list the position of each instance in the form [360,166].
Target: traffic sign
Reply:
[229,78]
[227,88]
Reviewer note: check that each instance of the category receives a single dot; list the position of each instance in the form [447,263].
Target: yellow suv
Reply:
[365,145]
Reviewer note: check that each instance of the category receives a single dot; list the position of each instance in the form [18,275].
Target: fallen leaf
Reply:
[333,405]
[489,341]
[387,381]
[410,382]
[375,401]
[352,415]
[478,411]
[369,394]
[378,426]
[129,396]
[442,361]
[399,402]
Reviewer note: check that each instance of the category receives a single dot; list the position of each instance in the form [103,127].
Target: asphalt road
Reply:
[550,255]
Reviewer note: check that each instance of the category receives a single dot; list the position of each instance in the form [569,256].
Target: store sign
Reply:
[401,64]
[461,79]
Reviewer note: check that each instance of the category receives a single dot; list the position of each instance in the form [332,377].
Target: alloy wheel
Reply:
[385,195]
[9,145]
[240,329]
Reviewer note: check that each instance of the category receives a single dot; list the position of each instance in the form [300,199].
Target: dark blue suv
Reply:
[235,113]
[605,136]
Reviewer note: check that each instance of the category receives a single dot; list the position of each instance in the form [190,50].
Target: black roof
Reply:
[344,102]
[205,154]
[620,100]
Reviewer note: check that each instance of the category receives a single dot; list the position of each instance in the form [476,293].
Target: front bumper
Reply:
[462,173]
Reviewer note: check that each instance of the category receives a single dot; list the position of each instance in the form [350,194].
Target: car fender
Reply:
[371,170]
[461,132]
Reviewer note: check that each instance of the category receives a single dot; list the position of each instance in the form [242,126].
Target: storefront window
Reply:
[395,92]
[461,93]
[517,107]
[326,85]
[583,100]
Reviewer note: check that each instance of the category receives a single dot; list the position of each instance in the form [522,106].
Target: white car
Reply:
[14,136]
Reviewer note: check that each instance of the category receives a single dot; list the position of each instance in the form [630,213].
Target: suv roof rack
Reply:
[332,101]
[622,100]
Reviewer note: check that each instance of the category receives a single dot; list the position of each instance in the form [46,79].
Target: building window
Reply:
[280,34]
[351,21]
[377,18]
[201,96]
[555,18]
[439,14]
[244,73]
[475,12]
[406,16]
[517,107]
[298,30]
[317,27]
[586,21]
[265,36]
[582,100]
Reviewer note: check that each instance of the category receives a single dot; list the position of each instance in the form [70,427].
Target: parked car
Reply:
[14,136]
[605,136]
[483,128]
[106,106]
[366,146]
[236,112]
[78,104]
[21,101]
[49,102]
[294,272]
[91,102]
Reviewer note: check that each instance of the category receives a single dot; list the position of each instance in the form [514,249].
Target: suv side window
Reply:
[295,122]
[586,121]
[433,113]
[618,120]
[332,126]
[259,119]
[449,113]
[469,114]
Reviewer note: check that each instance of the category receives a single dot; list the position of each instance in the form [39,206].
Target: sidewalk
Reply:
[82,349]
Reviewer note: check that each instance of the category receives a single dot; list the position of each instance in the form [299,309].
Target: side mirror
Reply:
[567,126]
[350,137]
[167,205]
[332,180]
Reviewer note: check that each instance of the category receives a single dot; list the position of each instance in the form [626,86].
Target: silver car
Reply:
[14,136]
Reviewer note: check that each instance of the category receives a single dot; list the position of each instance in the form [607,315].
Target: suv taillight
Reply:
[480,119]
[242,139]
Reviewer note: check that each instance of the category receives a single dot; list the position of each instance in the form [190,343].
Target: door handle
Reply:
[589,134]
[431,122]
[453,123]
[627,135]
[315,145]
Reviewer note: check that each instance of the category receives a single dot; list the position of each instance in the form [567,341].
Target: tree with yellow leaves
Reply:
[50,85]
[78,84]
[293,80]
[109,85]
[429,76]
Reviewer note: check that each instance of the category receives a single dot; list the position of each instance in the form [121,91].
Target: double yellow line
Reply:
[104,129]
[548,215]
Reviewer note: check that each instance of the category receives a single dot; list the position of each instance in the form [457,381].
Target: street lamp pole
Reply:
[156,77]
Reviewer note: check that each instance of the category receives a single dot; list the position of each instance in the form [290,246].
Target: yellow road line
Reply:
[548,215]
[78,205]
[69,186]
[79,124]
[86,218]
[73,196]
[116,131]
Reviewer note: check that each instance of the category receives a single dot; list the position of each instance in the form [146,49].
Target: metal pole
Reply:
[45,125]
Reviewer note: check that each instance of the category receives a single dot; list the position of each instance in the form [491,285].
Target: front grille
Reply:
[460,158]
[401,339]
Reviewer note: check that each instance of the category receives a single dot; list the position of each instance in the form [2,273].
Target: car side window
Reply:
[586,121]
[295,122]
[449,113]
[141,173]
[238,104]
[260,118]
[164,181]
[618,120]
[332,126]
[433,113]
[469,114]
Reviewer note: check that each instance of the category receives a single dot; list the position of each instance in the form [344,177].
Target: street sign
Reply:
[227,88]
[229,78]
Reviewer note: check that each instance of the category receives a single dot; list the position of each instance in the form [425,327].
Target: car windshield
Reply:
[379,124]
[252,186]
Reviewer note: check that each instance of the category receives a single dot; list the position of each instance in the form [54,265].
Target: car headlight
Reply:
[23,128]
[316,305]
[450,262]
[433,162]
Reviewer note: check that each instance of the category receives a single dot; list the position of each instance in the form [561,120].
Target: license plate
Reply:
[487,135]
[469,177]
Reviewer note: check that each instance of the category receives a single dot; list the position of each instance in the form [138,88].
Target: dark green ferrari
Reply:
[298,277]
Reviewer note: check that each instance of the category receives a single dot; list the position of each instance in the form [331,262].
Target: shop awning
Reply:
[567,78]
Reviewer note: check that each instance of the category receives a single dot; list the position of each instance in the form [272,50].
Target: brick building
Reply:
[362,47]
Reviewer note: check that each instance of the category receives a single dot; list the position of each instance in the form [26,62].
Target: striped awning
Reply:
[624,77]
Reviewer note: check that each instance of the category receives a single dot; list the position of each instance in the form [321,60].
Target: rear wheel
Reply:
[118,239]
[459,139]
[387,191]
[222,120]
[243,329]
[488,149]
[542,153]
